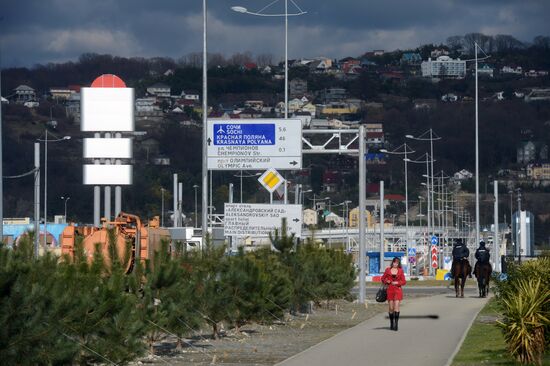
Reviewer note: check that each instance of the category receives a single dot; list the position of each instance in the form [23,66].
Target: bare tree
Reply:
[264,59]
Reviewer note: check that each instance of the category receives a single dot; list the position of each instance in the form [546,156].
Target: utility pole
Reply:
[36,198]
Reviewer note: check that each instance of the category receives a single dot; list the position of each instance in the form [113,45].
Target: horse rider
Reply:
[482,256]
[460,252]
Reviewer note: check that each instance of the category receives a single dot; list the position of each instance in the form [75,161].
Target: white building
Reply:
[309,217]
[463,175]
[160,90]
[444,66]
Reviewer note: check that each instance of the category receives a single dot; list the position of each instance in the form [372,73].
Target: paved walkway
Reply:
[420,341]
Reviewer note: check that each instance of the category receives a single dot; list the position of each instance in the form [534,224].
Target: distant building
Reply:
[523,233]
[354,218]
[439,52]
[512,70]
[444,66]
[24,93]
[484,70]
[297,88]
[61,93]
[538,171]
[309,217]
[411,58]
[159,90]
[462,175]
[190,95]
[375,135]
[333,95]
[526,152]
[538,94]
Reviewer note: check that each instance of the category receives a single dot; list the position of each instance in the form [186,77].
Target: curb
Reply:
[459,344]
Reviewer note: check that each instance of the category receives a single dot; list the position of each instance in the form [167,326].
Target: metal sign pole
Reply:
[204,207]
[36,197]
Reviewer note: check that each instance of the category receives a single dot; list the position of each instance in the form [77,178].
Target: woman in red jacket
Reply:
[394,278]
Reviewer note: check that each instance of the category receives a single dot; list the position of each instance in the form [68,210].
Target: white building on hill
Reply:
[444,66]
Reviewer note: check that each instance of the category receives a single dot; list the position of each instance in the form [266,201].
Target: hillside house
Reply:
[24,93]
[159,90]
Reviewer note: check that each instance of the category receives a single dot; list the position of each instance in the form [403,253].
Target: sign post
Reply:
[254,144]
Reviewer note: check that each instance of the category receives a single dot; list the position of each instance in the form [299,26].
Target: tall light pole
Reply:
[45,141]
[477,154]
[406,160]
[430,136]
[65,199]
[240,9]
[204,126]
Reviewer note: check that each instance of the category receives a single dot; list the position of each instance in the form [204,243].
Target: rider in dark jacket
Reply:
[482,255]
[460,251]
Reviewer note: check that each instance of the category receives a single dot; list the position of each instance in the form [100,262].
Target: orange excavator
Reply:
[129,231]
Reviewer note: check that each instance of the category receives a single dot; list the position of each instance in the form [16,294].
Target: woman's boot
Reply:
[396,321]
[391,321]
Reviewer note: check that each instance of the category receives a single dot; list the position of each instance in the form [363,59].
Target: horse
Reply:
[483,275]
[461,270]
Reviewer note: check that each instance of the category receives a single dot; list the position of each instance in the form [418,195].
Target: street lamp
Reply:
[45,141]
[243,10]
[405,151]
[65,199]
[241,176]
[431,136]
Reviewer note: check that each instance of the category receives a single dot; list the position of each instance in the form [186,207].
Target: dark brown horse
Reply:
[483,275]
[461,271]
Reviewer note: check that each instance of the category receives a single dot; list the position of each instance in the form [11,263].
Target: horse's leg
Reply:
[462,286]
[457,278]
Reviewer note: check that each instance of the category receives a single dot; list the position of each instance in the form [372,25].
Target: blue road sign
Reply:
[231,134]
[412,252]
[435,240]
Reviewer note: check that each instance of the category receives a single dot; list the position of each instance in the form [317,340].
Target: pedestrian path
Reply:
[420,341]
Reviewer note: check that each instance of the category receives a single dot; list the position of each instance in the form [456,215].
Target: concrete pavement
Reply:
[420,341]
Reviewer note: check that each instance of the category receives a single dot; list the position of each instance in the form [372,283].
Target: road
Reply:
[420,341]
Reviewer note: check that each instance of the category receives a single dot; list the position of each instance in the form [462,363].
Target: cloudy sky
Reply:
[40,31]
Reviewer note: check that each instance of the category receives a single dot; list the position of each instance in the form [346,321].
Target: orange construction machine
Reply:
[142,240]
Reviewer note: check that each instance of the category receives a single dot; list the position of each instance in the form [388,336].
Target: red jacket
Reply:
[387,278]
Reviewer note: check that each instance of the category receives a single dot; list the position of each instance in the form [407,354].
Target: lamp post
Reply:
[406,160]
[240,9]
[430,136]
[65,199]
[241,176]
[45,141]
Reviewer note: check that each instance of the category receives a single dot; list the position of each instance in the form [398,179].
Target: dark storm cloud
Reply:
[56,30]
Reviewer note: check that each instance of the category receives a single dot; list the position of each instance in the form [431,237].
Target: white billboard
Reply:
[96,174]
[107,109]
[254,144]
[259,220]
[108,148]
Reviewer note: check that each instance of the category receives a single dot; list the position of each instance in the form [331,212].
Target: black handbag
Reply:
[382,294]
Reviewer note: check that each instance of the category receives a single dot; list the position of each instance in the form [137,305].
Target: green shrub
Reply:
[525,299]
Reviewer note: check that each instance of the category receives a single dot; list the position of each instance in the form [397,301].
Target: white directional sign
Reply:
[245,219]
[254,144]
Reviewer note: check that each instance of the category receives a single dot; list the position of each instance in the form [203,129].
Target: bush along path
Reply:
[61,311]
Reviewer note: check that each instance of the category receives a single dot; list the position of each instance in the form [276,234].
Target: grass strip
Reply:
[484,344]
